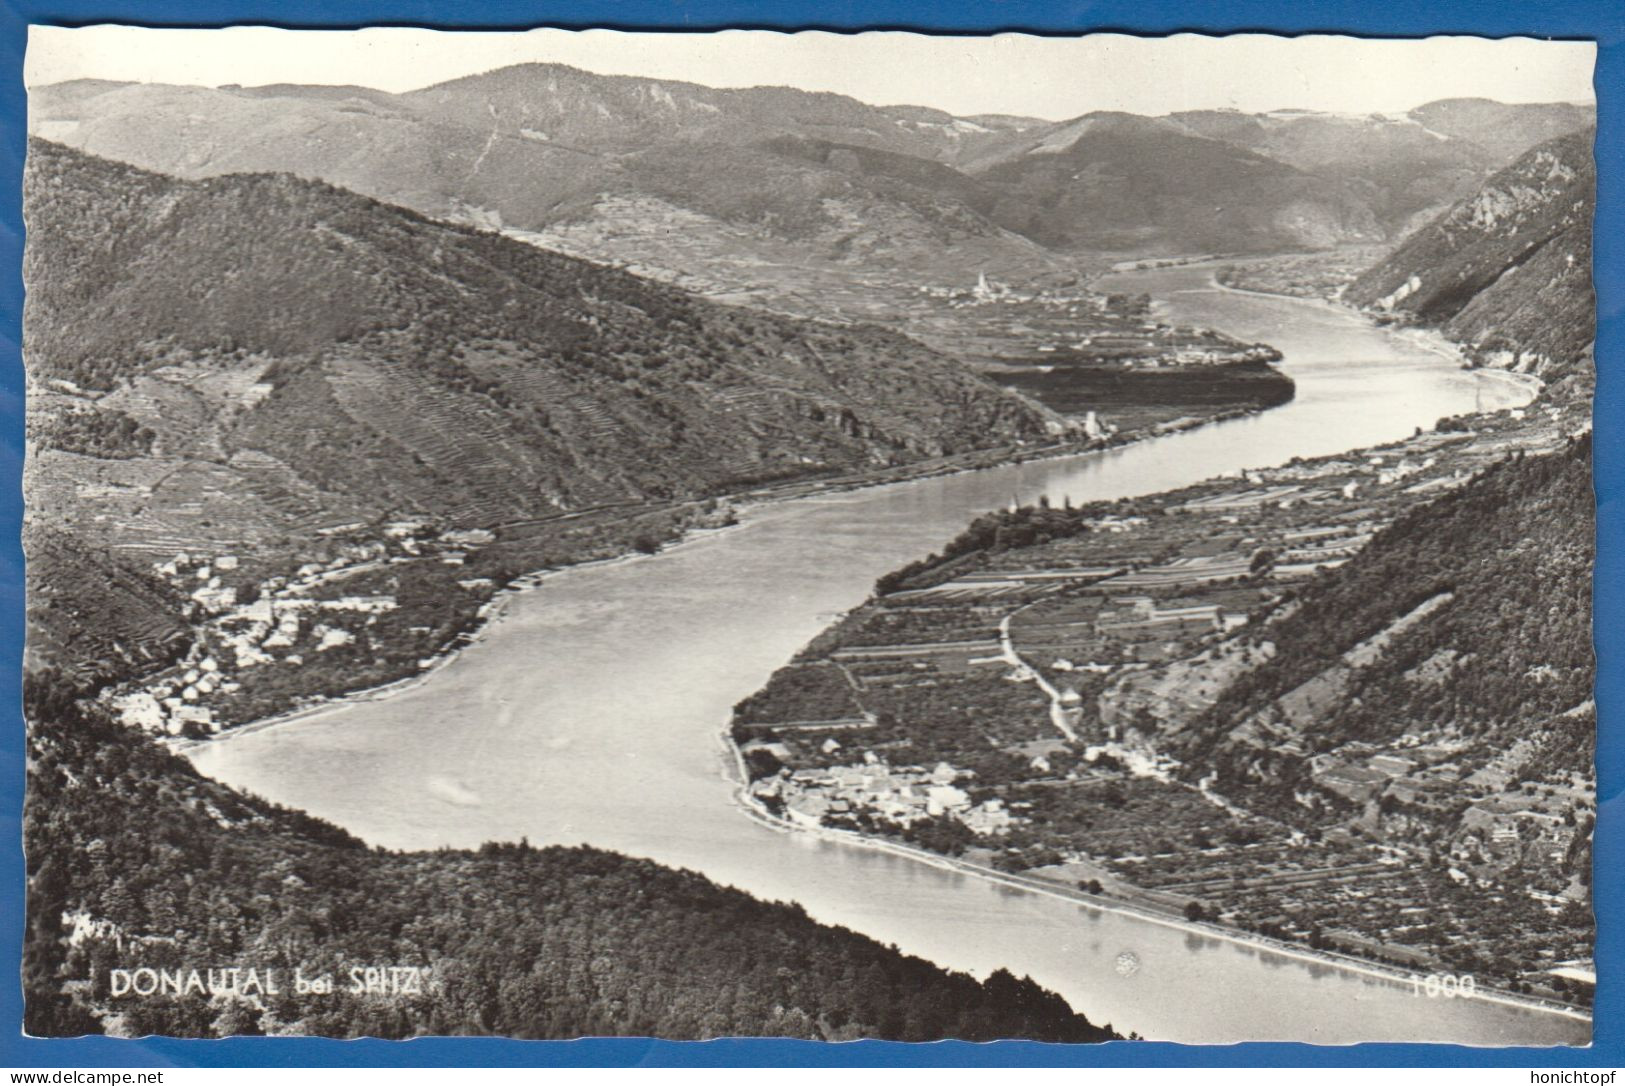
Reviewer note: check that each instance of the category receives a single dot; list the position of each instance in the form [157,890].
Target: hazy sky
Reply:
[1055,78]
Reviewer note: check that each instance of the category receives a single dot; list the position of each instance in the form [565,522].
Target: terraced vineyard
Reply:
[93,615]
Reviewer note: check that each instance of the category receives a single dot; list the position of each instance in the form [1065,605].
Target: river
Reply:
[591,712]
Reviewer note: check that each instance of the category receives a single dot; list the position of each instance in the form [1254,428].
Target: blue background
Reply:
[1601,20]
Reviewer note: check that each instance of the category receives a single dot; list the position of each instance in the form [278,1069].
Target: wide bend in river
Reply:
[591,712]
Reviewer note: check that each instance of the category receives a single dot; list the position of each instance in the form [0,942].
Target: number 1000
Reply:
[1446,985]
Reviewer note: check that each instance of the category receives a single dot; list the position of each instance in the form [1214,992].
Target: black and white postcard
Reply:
[574,533]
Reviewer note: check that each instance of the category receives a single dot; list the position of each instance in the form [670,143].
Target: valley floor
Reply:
[1049,662]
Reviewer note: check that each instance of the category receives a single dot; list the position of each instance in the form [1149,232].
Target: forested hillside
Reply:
[458,372]
[135,860]
[1504,654]
[535,145]
[1506,271]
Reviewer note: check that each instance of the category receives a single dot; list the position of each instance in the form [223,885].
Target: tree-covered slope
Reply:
[457,372]
[539,144]
[1504,651]
[135,860]
[1506,271]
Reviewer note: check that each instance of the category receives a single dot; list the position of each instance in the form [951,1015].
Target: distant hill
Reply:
[535,146]
[259,324]
[136,860]
[1507,270]
[1115,181]
[576,107]
[1505,131]
[1397,166]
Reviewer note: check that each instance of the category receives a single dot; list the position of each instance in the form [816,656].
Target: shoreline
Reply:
[757,812]
[742,502]
[499,605]
[750,499]
[1275,295]
[1421,336]
[1424,339]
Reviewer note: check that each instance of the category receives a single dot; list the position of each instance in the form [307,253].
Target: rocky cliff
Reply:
[1506,271]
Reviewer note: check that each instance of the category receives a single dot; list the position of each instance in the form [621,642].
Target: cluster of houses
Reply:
[202,579]
[1116,525]
[172,705]
[987,291]
[1514,829]
[1359,773]
[282,619]
[1340,479]
[1103,328]
[901,796]
[1160,335]
[1534,828]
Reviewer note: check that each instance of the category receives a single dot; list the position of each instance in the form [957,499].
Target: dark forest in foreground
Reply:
[137,860]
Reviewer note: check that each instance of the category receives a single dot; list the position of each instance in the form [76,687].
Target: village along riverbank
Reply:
[589,712]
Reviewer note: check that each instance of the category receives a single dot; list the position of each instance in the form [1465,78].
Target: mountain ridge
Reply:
[536,145]
[565,383]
